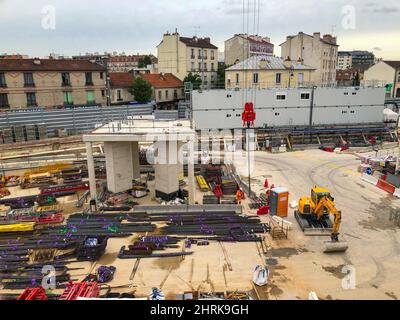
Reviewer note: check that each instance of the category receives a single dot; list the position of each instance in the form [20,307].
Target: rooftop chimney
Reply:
[287,62]
[317,35]
[37,61]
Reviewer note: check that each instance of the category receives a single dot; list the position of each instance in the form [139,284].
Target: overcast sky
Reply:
[137,26]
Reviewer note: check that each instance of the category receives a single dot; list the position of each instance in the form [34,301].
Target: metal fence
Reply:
[75,120]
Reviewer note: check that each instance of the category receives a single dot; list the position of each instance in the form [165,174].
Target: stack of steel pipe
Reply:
[98,225]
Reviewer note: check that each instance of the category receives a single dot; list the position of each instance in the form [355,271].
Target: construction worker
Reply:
[239,196]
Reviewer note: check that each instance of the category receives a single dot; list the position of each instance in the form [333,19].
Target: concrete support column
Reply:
[119,166]
[91,172]
[136,160]
[191,172]
[167,170]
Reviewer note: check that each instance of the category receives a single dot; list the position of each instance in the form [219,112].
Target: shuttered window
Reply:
[90,96]
[68,98]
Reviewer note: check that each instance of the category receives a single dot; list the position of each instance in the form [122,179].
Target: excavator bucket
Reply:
[335,246]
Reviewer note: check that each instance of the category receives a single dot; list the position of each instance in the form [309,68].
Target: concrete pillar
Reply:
[166,171]
[191,172]
[91,172]
[119,166]
[135,160]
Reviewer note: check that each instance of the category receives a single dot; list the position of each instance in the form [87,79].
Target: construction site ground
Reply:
[297,265]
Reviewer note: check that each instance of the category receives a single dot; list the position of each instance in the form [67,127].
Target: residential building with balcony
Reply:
[51,83]
[182,55]
[262,72]
[242,46]
[312,50]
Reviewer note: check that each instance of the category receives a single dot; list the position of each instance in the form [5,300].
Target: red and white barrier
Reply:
[381,184]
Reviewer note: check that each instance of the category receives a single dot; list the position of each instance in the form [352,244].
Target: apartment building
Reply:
[182,55]
[356,59]
[120,84]
[312,50]
[344,60]
[51,83]
[242,46]
[167,88]
[267,71]
[126,63]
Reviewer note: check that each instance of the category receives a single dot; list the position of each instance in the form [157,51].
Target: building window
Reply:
[103,93]
[199,66]
[237,78]
[175,94]
[28,80]
[305,96]
[255,77]
[166,94]
[31,99]
[3,83]
[199,54]
[212,55]
[280,96]
[90,97]
[278,77]
[68,101]
[205,54]
[398,77]
[192,55]
[66,80]
[4,100]
[301,78]
[88,78]
[159,95]
[101,75]
[205,66]
[192,66]
[212,66]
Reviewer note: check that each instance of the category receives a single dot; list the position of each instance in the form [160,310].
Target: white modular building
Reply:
[295,107]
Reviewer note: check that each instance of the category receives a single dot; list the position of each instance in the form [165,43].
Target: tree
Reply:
[141,90]
[144,62]
[221,75]
[194,79]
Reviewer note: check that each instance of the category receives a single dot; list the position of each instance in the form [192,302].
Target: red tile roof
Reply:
[198,42]
[166,80]
[121,79]
[49,65]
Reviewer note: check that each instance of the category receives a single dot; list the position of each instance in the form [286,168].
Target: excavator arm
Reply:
[330,206]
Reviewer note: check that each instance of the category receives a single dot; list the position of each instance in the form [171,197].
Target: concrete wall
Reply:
[222,109]
[49,91]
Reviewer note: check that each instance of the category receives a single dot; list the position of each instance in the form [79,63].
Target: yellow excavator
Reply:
[315,210]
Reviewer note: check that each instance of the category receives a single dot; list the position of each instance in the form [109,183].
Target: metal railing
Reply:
[75,119]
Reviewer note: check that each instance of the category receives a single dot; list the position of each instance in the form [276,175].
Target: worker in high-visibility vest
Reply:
[239,196]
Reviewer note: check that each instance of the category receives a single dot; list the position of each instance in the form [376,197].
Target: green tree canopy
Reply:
[144,62]
[194,79]
[141,90]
